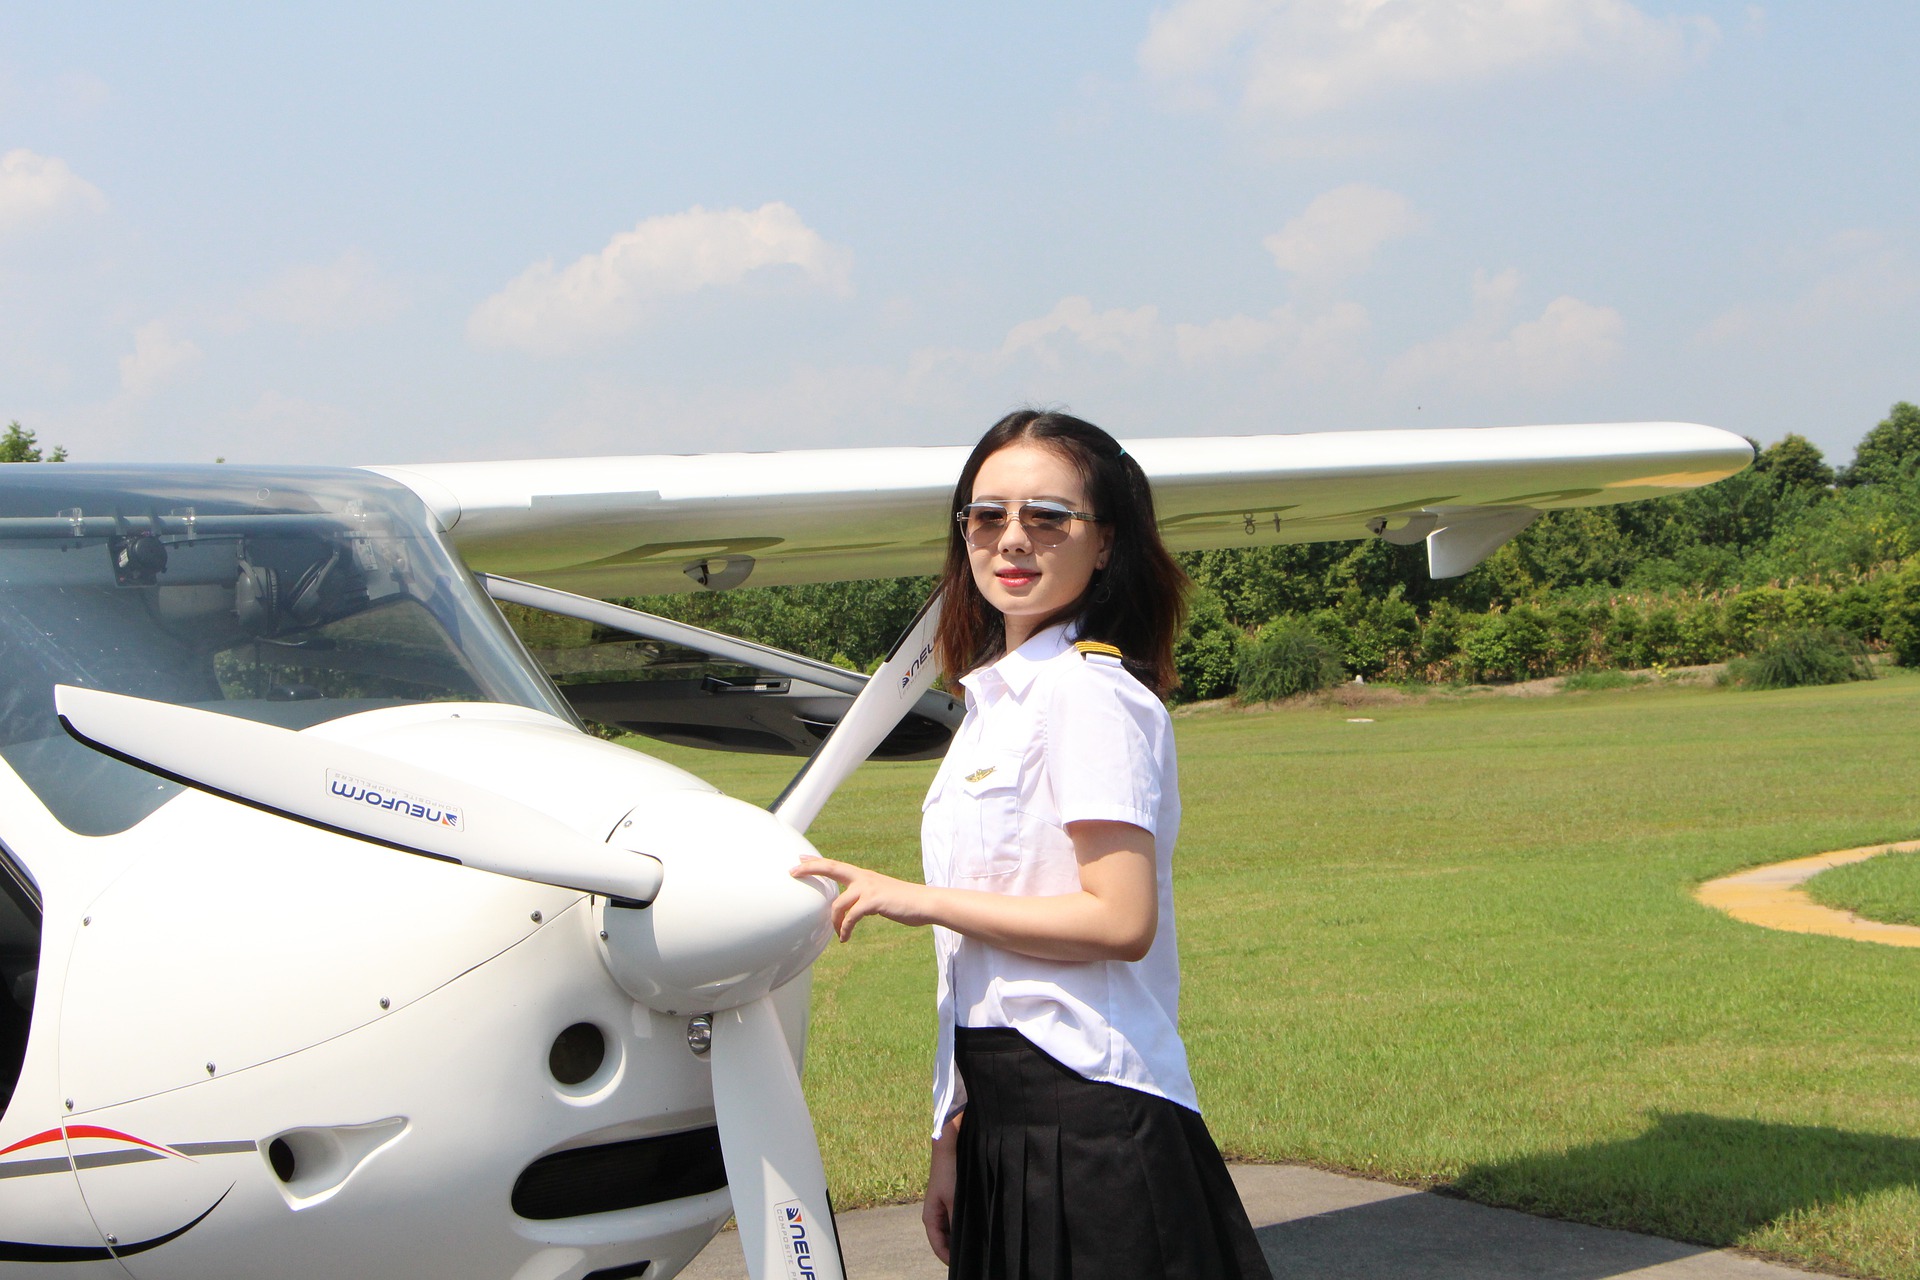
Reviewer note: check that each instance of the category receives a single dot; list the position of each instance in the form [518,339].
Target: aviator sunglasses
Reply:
[1047,523]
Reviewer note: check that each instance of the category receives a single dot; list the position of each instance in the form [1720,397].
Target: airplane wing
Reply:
[644,525]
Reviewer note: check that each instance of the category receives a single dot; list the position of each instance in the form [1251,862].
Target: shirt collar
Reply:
[1015,672]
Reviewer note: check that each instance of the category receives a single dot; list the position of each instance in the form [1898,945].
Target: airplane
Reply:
[333,943]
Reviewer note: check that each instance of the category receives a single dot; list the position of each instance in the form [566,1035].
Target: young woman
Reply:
[1067,1138]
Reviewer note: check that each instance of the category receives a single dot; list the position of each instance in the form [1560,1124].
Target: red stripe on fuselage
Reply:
[51,1135]
[85,1131]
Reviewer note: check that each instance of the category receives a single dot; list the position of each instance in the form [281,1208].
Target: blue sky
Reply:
[406,233]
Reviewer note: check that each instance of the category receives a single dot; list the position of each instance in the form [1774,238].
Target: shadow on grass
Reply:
[1706,1179]
[1689,1178]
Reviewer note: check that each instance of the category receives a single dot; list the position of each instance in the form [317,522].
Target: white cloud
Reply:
[1341,230]
[1857,276]
[1569,342]
[607,293]
[36,188]
[1300,57]
[1076,340]
[346,293]
[285,428]
[1311,349]
[1135,336]
[157,357]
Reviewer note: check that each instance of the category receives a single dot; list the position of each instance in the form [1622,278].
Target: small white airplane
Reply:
[330,943]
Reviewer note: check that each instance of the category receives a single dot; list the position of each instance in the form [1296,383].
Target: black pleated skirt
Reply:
[1060,1176]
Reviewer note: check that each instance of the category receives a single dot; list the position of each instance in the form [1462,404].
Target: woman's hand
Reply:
[936,1211]
[868,893]
[1113,916]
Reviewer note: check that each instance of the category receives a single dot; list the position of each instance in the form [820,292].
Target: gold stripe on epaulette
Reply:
[1095,646]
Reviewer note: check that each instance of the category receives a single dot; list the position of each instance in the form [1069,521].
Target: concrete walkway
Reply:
[1326,1226]
[1771,897]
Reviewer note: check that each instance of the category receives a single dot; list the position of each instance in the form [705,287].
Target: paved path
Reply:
[1326,1226]
[1771,897]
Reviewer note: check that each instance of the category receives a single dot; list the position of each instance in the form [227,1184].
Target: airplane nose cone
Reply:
[729,924]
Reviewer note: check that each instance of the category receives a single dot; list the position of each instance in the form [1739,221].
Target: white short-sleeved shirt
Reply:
[1051,737]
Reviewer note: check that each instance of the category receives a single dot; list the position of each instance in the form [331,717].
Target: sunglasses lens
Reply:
[984,521]
[1046,523]
[1043,522]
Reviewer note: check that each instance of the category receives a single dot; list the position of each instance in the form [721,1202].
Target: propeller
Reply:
[354,791]
[890,693]
[779,1184]
[725,925]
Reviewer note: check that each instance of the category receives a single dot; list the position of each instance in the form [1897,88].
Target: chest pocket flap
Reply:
[986,805]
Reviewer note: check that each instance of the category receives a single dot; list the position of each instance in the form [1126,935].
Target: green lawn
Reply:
[1884,888]
[1456,947]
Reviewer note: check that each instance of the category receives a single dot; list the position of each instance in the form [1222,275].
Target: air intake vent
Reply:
[620,1175]
[632,1271]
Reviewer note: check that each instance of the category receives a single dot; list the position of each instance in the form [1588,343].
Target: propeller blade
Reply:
[778,1184]
[354,791]
[889,695]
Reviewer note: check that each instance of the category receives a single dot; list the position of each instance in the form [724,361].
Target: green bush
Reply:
[1900,616]
[1859,608]
[1288,656]
[1804,655]
[1753,615]
[1576,633]
[1507,646]
[1660,637]
[1440,637]
[1208,651]
[1703,630]
[1377,635]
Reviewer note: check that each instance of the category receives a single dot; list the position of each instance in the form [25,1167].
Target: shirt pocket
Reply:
[985,794]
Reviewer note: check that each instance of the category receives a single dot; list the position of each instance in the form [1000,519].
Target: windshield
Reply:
[292,596]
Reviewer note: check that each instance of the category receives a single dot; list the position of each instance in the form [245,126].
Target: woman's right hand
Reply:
[936,1211]
[866,893]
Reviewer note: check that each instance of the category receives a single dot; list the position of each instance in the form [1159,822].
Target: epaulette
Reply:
[1095,646]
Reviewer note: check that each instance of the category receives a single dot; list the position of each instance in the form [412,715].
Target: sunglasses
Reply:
[1047,523]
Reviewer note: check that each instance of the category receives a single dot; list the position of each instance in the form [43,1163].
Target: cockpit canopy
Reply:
[287,595]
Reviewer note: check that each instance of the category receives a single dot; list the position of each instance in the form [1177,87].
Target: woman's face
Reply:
[1022,579]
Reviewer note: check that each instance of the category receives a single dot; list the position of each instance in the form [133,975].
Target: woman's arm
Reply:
[1113,917]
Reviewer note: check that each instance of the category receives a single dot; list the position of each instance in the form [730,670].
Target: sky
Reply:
[410,232]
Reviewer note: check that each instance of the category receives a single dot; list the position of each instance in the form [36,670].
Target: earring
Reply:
[1103,587]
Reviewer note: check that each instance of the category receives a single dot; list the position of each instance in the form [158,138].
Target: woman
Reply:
[1067,1137]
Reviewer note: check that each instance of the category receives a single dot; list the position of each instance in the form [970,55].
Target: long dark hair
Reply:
[1138,603]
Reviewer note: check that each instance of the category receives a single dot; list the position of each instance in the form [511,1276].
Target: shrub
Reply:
[1900,620]
[1207,651]
[1623,636]
[1804,655]
[1440,638]
[1508,646]
[1287,657]
[1859,607]
[1753,615]
[1575,635]
[1703,631]
[1375,634]
[1660,636]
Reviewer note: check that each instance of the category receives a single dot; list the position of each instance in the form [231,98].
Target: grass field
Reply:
[1883,888]
[1455,947]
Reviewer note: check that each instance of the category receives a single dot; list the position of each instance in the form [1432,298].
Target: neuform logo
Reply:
[344,786]
[791,1222]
